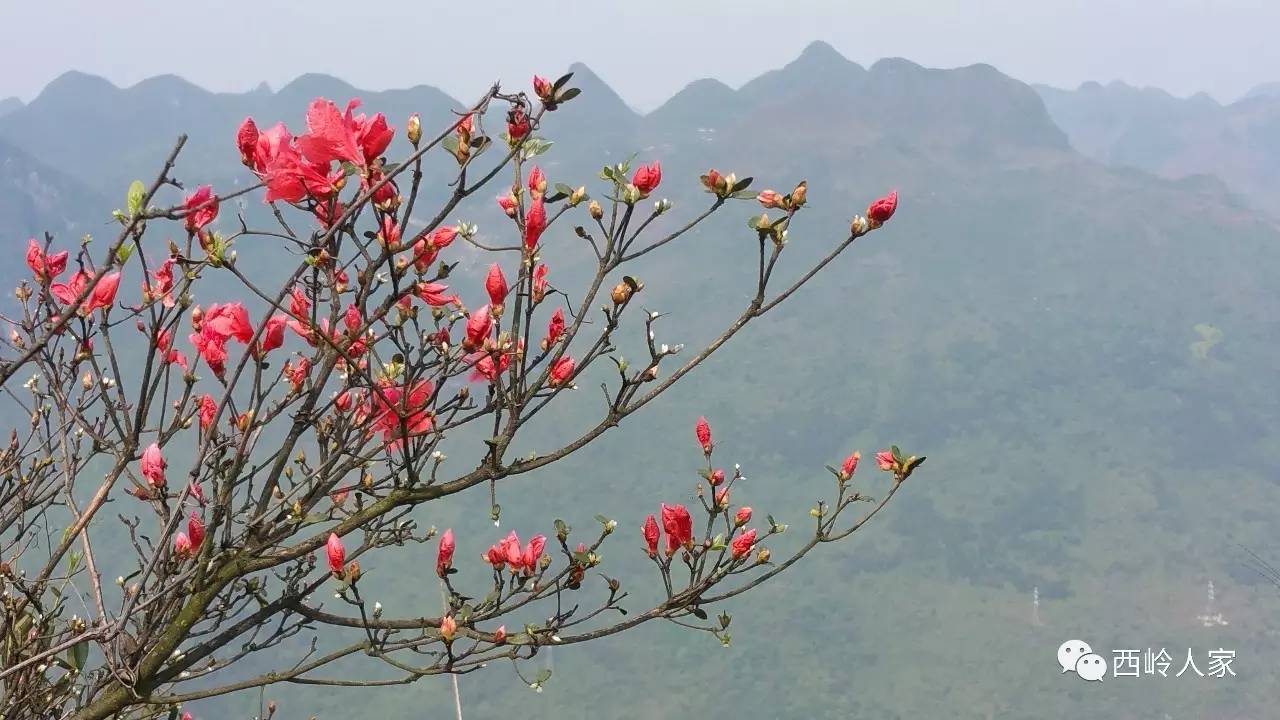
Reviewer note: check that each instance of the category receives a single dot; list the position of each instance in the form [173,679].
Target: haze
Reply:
[1183,46]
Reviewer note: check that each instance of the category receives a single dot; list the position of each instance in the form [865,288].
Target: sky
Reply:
[645,49]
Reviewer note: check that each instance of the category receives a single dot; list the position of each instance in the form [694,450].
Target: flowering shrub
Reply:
[359,366]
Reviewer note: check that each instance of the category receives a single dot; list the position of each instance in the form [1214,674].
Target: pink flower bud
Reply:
[336,553]
[881,210]
[703,432]
[444,555]
[651,535]
[743,516]
[743,544]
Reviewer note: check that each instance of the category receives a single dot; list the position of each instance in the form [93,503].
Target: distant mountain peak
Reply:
[9,104]
[312,85]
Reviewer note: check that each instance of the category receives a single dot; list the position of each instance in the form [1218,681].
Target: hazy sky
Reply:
[645,49]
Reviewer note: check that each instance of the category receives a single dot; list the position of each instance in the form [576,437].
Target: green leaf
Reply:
[563,189]
[124,253]
[568,95]
[543,676]
[602,519]
[79,654]
[136,197]
[559,83]
[742,184]
[744,195]
[699,613]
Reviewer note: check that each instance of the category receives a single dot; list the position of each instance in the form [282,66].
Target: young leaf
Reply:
[137,195]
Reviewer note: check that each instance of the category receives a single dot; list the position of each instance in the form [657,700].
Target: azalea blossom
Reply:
[335,553]
[881,210]
[195,530]
[555,329]
[208,408]
[885,460]
[537,182]
[479,325]
[678,525]
[102,296]
[444,554]
[495,283]
[743,516]
[702,430]
[182,545]
[535,222]
[201,208]
[647,177]
[45,267]
[562,371]
[539,283]
[651,535]
[153,466]
[743,544]
[850,465]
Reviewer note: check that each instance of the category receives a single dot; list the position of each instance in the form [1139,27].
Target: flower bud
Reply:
[500,635]
[595,210]
[577,196]
[762,557]
[798,195]
[621,293]
[413,129]
[448,628]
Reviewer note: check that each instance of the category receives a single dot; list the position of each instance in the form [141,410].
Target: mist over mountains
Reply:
[1073,315]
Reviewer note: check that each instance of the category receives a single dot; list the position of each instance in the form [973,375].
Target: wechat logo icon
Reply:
[1078,657]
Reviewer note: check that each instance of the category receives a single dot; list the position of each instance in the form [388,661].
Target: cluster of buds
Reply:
[790,202]
[553,93]
[878,213]
[892,460]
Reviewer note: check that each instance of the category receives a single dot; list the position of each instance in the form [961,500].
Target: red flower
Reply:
[197,492]
[444,555]
[208,408]
[336,553]
[496,285]
[537,182]
[850,465]
[161,285]
[543,88]
[539,283]
[769,199]
[272,335]
[743,544]
[182,545]
[532,553]
[389,232]
[678,525]
[331,135]
[518,126]
[299,305]
[703,432]
[479,325]
[394,403]
[434,294]
[647,177]
[743,516]
[201,207]
[651,535]
[562,371]
[717,477]
[881,210]
[500,635]
[555,329]
[228,320]
[722,497]
[297,373]
[885,460]
[102,295]
[508,204]
[247,141]
[153,466]
[45,267]
[442,237]
[495,556]
[535,222]
[195,529]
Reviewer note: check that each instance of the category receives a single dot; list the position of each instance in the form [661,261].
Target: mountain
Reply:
[1271,89]
[1081,349]
[35,199]
[9,104]
[113,136]
[1175,137]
